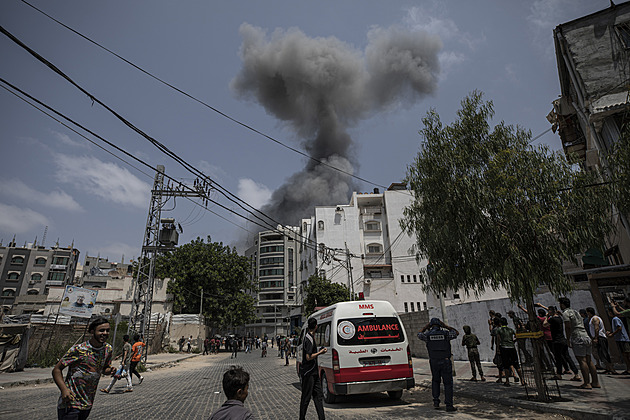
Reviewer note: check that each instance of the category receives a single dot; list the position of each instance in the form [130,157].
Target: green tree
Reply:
[320,291]
[619,165]
[490,210]
[222,274]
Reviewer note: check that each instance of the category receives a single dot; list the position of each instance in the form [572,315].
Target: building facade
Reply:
[274,258]
[27,274]
[593,56]
[366,249]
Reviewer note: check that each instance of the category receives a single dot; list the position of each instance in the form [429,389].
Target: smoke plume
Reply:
[322,86]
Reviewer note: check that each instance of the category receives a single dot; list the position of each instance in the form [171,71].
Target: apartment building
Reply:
[593,53]
[366,249]
[27,273]
[274,258]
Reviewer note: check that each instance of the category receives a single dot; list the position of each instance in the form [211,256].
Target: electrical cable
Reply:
[184,186]
[226,193]
[223,114]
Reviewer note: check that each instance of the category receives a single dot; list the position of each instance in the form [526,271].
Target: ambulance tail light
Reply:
[409,357]
[335,361]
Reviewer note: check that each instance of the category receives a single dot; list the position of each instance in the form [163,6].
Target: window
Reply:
[415,278]
[56,276]
[320,225]
[623,33]
[408,278]
[36,276]
[18,259]
[322,335]
[271,272]
[41,261]
[14,275]
[271,248]
[456,296]
[406,307]
[412,307]
[8,293]
[402,278]
[375,249]
[60,260]
[372,226]
[272,261]
[32,292]
[424,305]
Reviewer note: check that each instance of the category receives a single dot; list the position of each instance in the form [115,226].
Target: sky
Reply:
[345,84]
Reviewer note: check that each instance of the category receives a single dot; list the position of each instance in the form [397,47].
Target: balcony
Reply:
[54,282]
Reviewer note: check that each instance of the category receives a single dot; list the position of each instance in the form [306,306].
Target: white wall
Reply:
[475,314]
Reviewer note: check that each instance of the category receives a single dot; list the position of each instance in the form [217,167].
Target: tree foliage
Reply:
[223,275]
[619,164]
[492,211]
[320,291]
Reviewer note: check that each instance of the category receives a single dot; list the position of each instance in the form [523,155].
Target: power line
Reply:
[223,114]
[122,151]
[226,193]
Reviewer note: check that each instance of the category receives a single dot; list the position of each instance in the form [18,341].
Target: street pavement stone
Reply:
[192,390]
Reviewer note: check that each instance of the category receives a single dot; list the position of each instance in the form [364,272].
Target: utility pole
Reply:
[140,317]
[349,267]
[154,242]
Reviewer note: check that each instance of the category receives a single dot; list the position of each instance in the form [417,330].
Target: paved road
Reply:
[192,390]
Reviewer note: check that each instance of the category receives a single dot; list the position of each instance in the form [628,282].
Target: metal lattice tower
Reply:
[140,318]
[158,237]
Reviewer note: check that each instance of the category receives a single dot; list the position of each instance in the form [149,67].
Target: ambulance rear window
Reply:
[361,331]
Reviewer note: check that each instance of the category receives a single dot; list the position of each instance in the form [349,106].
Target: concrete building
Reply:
[368,250]
[593,56]
[275,258]
[27,274]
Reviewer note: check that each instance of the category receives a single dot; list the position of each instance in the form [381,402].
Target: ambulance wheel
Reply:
[329,397]
[395,395]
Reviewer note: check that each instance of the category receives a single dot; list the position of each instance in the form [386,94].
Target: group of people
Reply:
[585,335]
[86,362]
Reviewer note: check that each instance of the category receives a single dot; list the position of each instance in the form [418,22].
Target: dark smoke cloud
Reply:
[322,86]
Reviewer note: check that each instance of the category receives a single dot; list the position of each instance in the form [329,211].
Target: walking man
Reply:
[309,373]
[85,363]
[438,340]
[580,342]
[125,365]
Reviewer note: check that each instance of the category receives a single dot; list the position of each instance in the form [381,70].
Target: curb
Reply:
[531,405]
[49,380]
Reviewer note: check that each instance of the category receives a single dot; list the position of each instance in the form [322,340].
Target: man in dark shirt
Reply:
[559,344]
[309,374]
[438,340]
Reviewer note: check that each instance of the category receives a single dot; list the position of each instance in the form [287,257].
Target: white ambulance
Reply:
[368,350]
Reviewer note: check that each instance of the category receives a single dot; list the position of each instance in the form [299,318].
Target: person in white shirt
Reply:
[600,339]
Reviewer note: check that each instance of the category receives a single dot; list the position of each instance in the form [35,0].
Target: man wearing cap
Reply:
[438,340]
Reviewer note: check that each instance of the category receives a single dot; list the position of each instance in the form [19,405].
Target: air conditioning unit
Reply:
[367,281]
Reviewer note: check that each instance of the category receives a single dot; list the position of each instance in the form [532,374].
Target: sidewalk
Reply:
[32,376]
[611,401]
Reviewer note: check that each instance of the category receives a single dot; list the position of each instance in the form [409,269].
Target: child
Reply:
[471,342]
[85,362]
[236,388]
